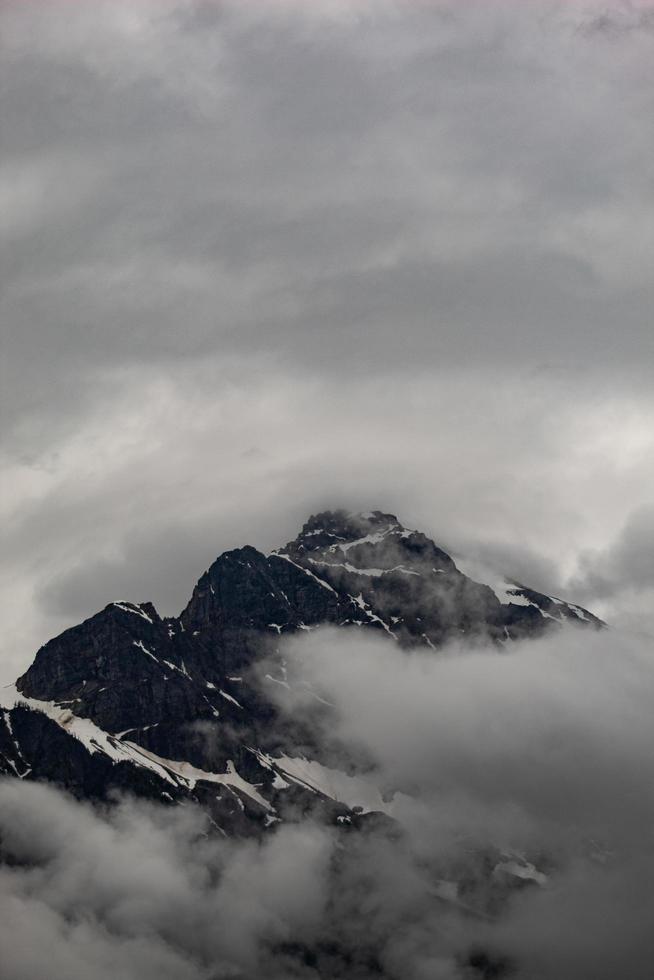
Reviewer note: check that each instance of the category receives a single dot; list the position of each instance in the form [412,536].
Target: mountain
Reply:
[178,709]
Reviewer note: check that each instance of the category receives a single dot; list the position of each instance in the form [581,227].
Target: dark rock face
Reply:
[106,669]
[34,746]
[182,689]
[246,595]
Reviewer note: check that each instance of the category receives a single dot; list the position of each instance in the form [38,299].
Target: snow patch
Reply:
[579,612]
[361,603]
[95,740]
[370,572]
[338,786]
[519,867]
[142,646]
[503,587]
[276,680]
[228,697]
[375,538]
[306,571]
[134,609]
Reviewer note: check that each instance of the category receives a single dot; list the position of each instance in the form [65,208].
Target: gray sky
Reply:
[264,258]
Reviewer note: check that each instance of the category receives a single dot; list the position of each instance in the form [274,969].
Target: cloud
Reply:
[489,758]
[262,259]
[266,258]
[627,563]
[620,577]
[142,890]
[200,180]
[142,495]
[542,747]
[265,179]
[539,725]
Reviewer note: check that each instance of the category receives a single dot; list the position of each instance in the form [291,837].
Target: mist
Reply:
[536,756]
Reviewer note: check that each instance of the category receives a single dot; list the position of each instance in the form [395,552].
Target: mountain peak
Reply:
[334,528]
[157,705]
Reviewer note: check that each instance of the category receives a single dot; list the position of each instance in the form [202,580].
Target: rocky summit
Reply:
[177,709]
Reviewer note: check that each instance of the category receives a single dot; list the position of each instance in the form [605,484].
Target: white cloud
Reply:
[544,750]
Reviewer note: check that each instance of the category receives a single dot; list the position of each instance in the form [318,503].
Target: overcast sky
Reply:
[264,258]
